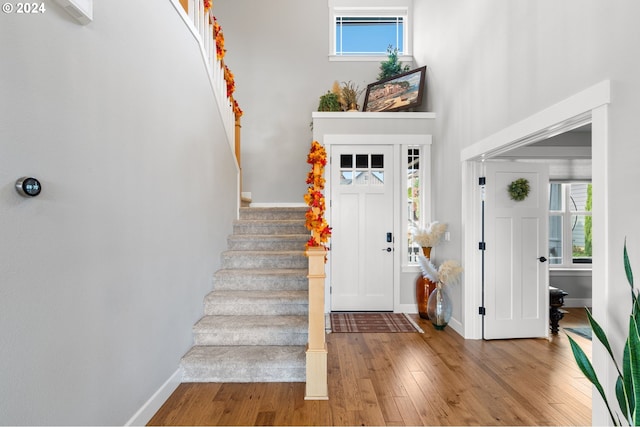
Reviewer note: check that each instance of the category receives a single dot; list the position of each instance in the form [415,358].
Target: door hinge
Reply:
[482,246]
[330,289]
[482,311]
[482,180]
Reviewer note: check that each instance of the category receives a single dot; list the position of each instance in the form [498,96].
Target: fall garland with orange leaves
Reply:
[315,221]
[218,37]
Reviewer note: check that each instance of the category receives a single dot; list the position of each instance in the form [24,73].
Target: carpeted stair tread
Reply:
[255,323]
[266,213]
[279,227]
[261,279]
[251,330]
[263,297]
[264,259]
[244,364]
[263,242]
[230,323]
[257,303]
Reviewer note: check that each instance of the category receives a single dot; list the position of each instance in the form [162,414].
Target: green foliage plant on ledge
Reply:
[628,382]
[329,102]
[391,66]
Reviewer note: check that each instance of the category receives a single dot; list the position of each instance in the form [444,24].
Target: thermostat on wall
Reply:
[28,186]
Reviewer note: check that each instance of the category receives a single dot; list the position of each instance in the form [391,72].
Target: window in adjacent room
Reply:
[570,236]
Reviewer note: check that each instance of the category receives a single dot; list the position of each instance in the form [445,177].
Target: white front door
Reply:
[362,226]
[516,292]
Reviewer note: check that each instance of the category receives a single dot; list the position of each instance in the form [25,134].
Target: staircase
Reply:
[255,326]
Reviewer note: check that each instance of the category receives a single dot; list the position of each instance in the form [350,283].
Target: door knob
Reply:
[542,259]
[388,249]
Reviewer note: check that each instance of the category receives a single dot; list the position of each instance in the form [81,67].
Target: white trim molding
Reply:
[151,406]
[588,106]
[80,10]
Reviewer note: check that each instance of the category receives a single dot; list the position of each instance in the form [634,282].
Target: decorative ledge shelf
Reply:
[389,123]
[367,115]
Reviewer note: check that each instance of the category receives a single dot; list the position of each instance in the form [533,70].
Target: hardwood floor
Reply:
[435,378]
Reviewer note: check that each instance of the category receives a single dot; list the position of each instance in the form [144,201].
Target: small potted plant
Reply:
[391,66]
[329,102]
[350,93]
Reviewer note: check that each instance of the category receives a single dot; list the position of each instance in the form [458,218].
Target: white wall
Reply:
[279,56]
[103,275]
[495,62]
[490,64]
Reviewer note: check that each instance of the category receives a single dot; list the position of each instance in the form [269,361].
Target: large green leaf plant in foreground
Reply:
[628,382]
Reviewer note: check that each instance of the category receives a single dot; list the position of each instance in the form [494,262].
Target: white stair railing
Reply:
[201,25]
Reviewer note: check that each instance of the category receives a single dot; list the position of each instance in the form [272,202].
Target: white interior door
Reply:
[362,225]
[516,291]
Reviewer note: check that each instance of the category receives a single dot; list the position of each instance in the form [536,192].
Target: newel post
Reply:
[317,254]
[317,388]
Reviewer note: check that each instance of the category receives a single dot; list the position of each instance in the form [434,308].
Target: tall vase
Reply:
[439,308]
[424,288]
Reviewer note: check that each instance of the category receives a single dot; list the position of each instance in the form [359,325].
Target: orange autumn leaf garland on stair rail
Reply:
[315,221]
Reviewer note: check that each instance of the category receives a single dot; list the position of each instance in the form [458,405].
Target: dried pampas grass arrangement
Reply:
[448,272]
[428,268]
[430,236]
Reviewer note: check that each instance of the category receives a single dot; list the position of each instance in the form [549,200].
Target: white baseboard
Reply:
[577,302]
[151,406]
[278,205]
[406,308]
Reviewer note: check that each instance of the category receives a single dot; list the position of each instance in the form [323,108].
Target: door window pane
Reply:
[362,160]
[377,177]
[362,177]
[377,161]
[346,178]
[346,161]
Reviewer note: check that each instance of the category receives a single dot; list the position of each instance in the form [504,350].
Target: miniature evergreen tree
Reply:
[391,66]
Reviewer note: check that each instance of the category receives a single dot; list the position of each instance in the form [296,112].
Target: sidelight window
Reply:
[414,197]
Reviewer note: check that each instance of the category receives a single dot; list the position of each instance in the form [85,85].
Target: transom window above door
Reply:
[361,169]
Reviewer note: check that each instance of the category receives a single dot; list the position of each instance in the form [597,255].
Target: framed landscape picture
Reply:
[400,92]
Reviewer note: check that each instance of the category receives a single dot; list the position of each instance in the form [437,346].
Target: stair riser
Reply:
[237,260]
[273,213]
[251,282]
[244,364]
[266,228]
[253,374]
[215,309]
[266,245]
[253,338]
